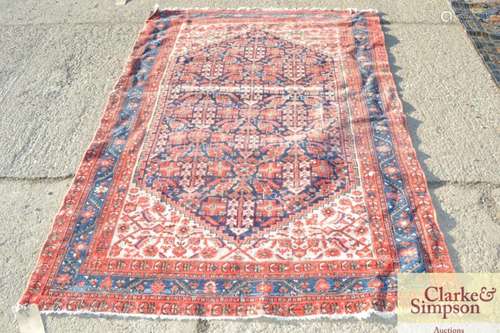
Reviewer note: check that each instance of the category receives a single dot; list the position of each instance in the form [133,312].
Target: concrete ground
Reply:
[59,60]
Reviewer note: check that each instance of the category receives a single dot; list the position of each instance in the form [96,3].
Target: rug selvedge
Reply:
[217,191]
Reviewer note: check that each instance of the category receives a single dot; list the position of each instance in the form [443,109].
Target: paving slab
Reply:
[470,226]
[450,101]
[464,213]
[55,11]
[55,82]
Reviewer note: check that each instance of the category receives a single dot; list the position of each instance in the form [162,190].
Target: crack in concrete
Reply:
[433,184]
[385,22]
[107,23]
[202,326]
[37,179]
[48,24]
[439,183]
[486,198]
[488,201]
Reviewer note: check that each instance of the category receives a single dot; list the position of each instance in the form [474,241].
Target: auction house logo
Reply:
[436,300]
[448,302]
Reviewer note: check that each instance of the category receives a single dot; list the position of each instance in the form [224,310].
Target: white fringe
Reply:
[360,315]
[264,9]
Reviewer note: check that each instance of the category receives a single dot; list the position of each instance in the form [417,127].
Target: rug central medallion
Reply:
[249,135]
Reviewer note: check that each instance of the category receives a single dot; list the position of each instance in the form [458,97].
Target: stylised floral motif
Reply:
[153,229]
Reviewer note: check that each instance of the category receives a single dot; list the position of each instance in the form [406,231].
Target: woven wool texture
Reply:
[248,163]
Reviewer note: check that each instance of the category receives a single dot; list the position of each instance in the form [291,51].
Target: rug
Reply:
[481,20]
[248,163]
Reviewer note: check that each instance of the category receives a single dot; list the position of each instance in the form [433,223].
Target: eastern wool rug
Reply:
[248,163]
[481,20]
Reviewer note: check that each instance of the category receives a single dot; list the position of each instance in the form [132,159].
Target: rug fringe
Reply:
[387,315]
[28,318]
[244,8]
[156,9]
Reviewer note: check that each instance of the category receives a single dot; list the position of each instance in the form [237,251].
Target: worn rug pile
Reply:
[248,163]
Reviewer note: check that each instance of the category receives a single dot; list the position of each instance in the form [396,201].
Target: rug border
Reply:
[101,123]
[404,142]
[361,314]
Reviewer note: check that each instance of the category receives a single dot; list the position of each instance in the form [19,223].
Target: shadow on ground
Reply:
[445,221]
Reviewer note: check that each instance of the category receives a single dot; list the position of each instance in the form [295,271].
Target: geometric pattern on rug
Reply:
[248,163]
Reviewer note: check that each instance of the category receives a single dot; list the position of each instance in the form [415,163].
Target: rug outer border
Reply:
[385,78]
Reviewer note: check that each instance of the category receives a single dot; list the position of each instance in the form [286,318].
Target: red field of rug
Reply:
[248,163]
